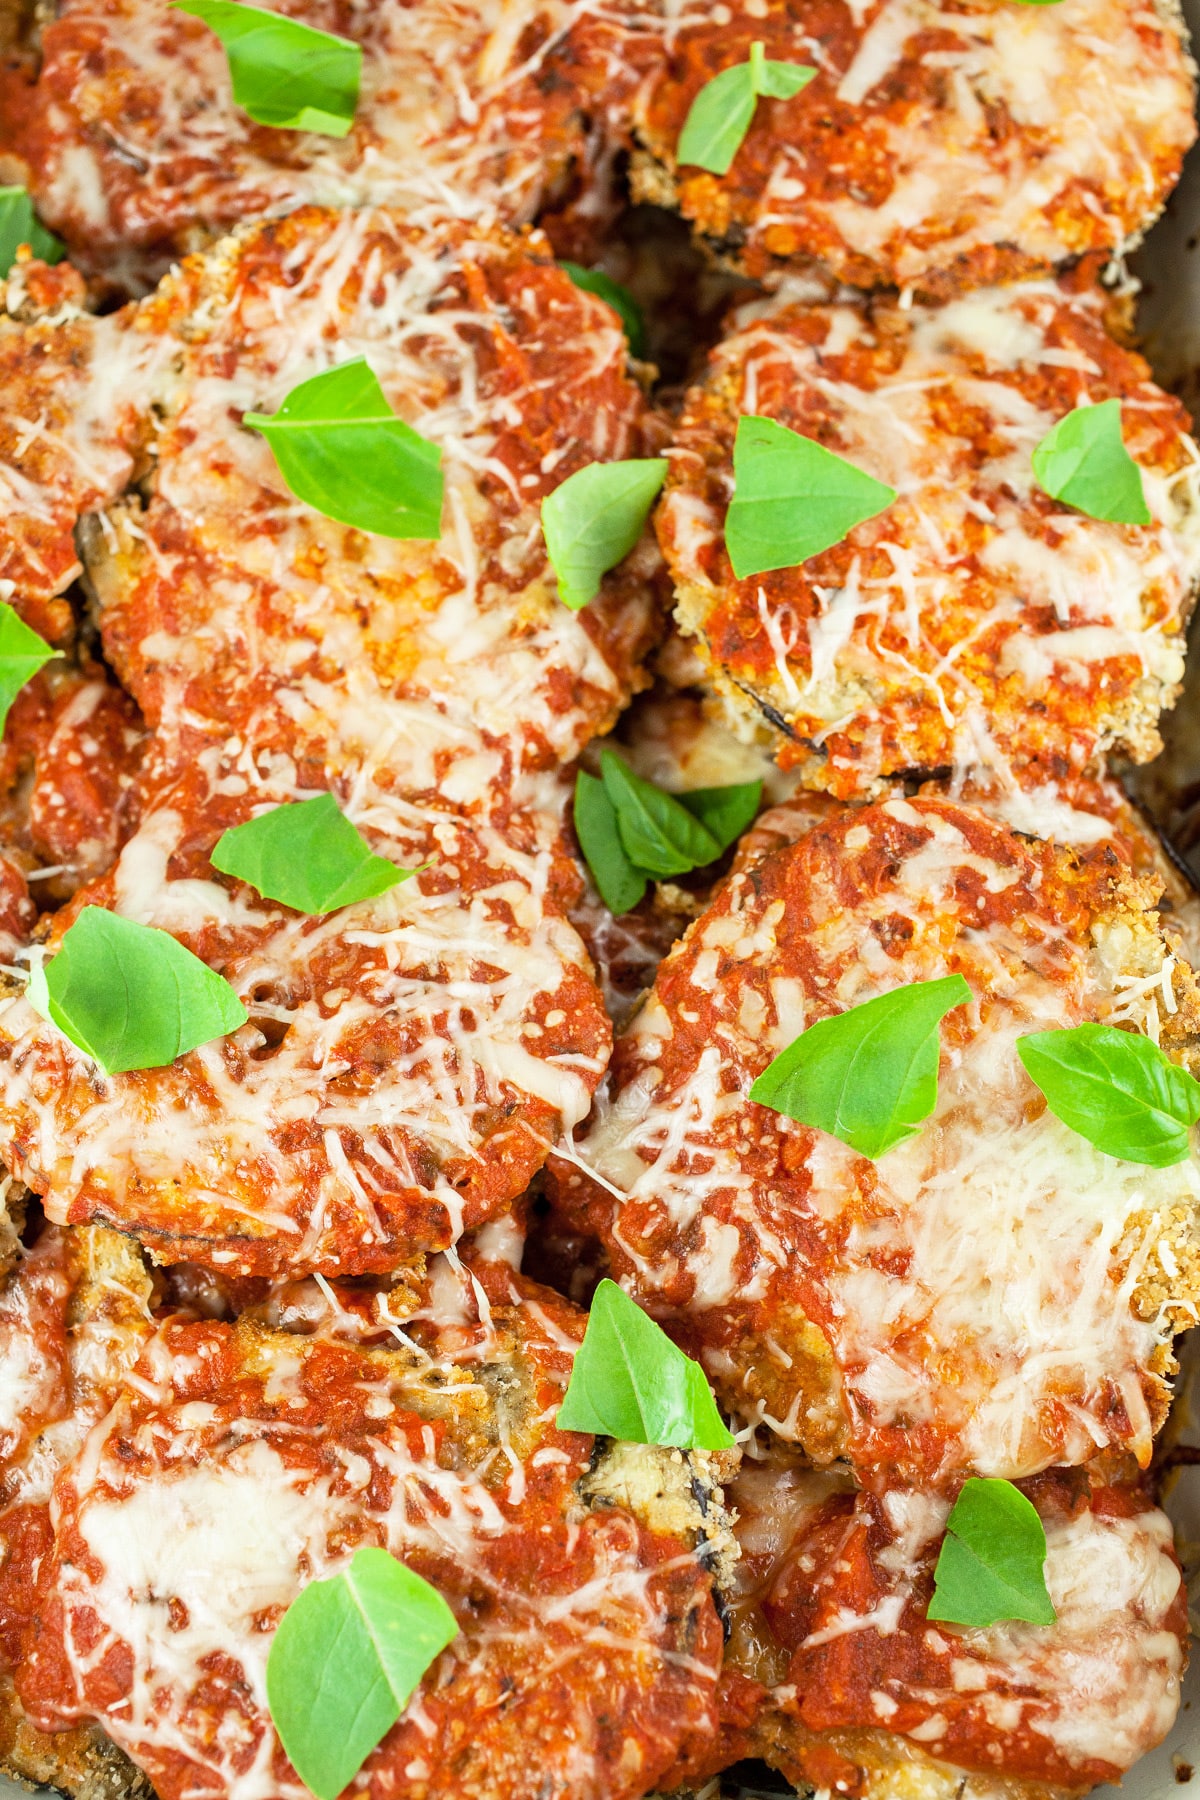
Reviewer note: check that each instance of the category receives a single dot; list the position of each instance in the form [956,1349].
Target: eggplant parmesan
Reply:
[818,1287]
[122,122]
[834,1676]
[581,1576]
[936,148]
[587,1197]
[974,623]
[401,1077]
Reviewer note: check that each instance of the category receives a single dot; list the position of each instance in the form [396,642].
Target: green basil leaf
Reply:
[284,73]
[992,1564]
[657,833]
[792,498]
[631,1382]
[1083,462]
[724,812]
[1116,1089]
[595,281]
[22,654]
[718,120]
[131,996]
[621,885]
[867,1076]
[341,449]
[593,521]
[307,855]
[19,224]
[721,114]
[345,1662]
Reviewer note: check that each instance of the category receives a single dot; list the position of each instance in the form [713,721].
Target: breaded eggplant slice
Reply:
[995,1294]
[975,623]
[937,147]
[242,1462]
[223,598]
[407,1064]
[410,1061]
[74,1314]
[833,1675]
[65,439]
[122,121]
[69,756]
[1081,813]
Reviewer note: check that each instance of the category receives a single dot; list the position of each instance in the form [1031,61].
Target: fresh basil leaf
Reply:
[992,1564]
[792,498]
[621,885]
[657,833]
[867,1076]
[724,812]
[284,73]
[19,224]
[22,654]
[595,281]
[721,114]
[130,996]
[631,1382]
[345,1662]
[341,449]
[718,120]
[307,855]
[1116,1089]
[1082,461]
[594,519]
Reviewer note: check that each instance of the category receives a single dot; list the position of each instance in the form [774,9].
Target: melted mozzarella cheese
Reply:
[996,1247]
[465,111]
[430,685]
[968,608]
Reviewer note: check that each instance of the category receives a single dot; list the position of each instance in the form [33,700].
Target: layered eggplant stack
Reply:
[598,1070]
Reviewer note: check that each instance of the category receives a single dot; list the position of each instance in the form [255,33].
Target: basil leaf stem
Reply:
[131,996]
[868,1076]
[631,1382]
[341,449]
[792,498]
[723,110]
[1082,462]
[992,1564]
[593,520]
[284,73]
[345,1661]
[1117,1089]
[308,856]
